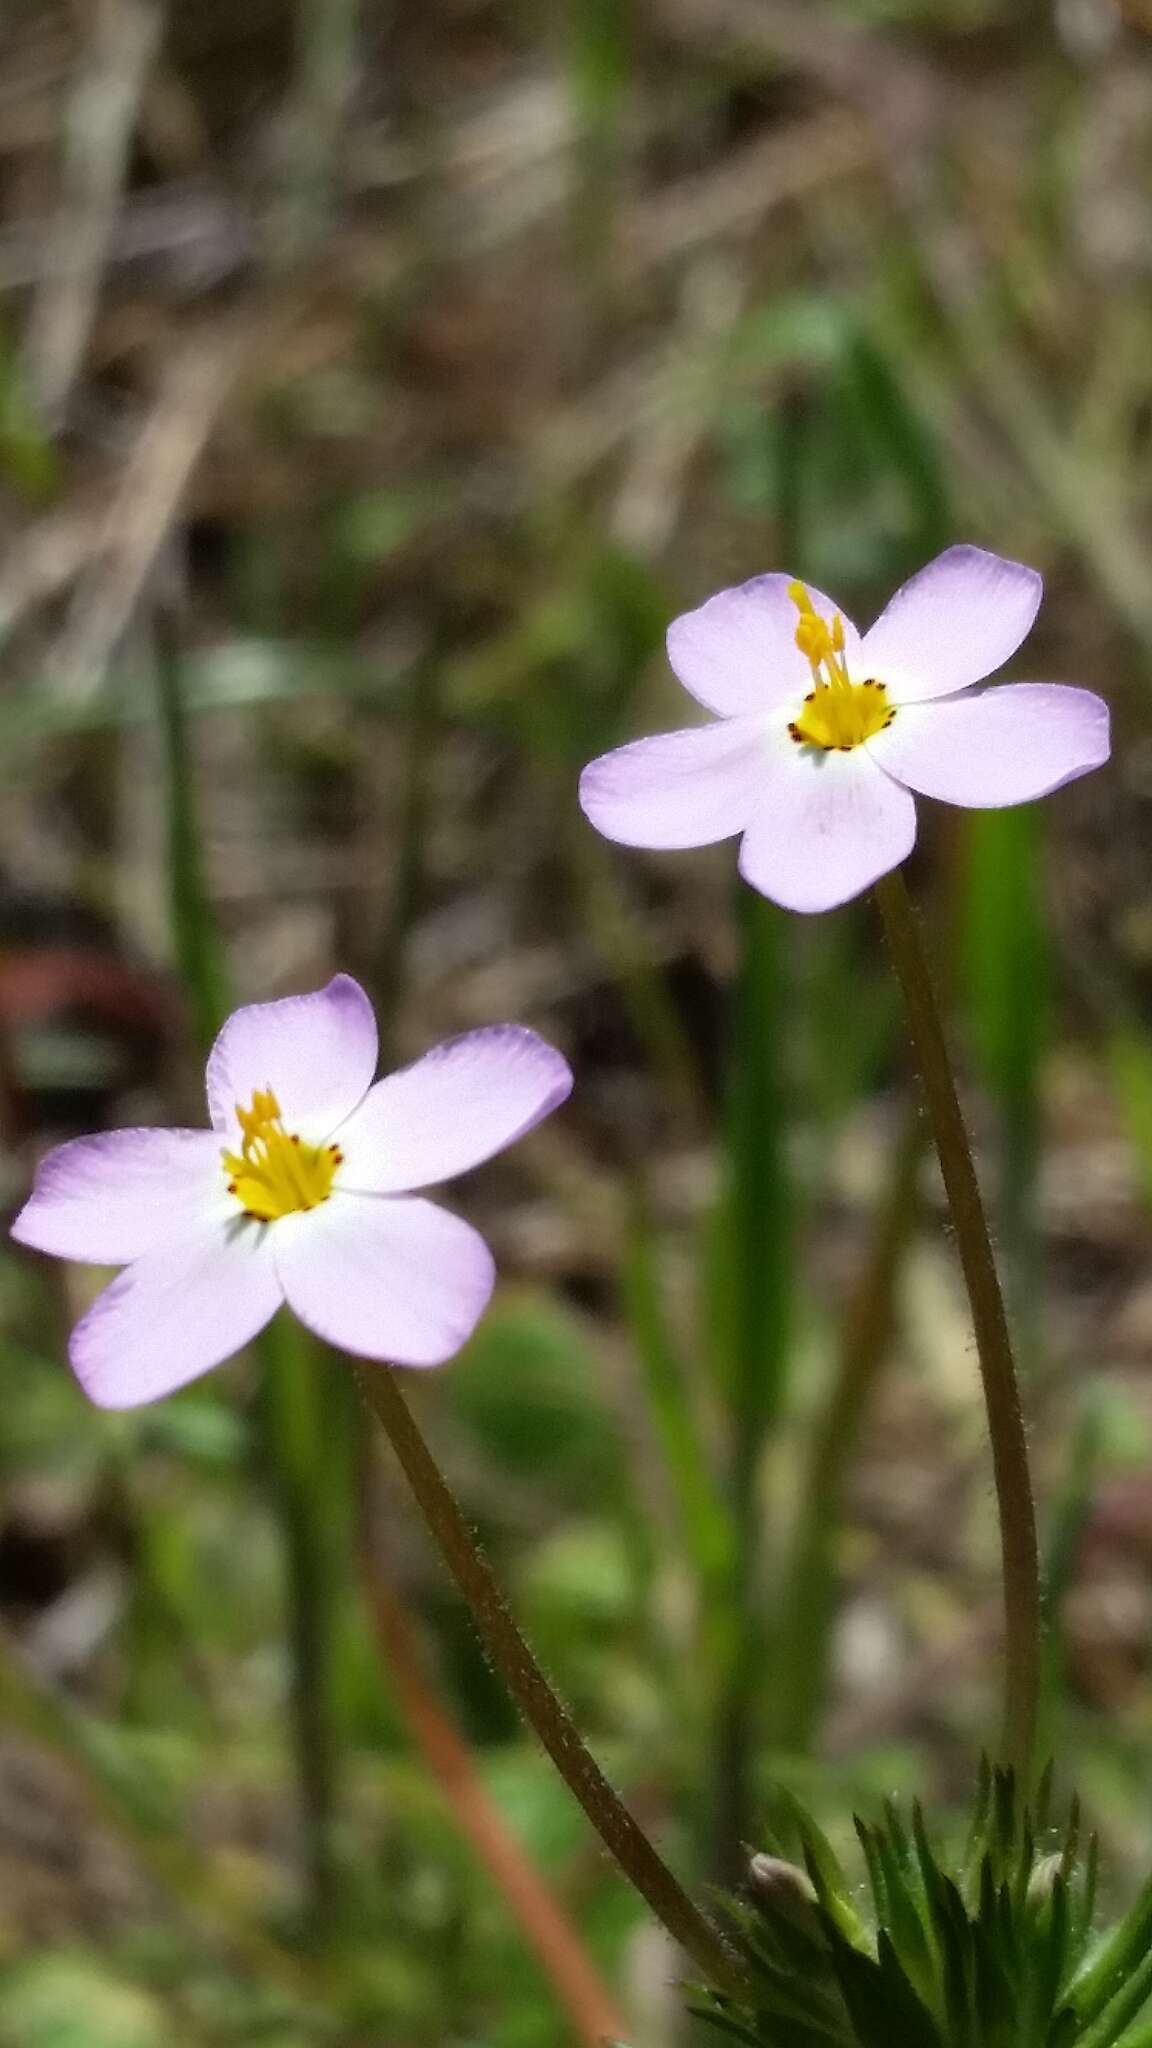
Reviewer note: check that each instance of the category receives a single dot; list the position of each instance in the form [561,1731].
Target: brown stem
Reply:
[549,1720]
[1018,1544]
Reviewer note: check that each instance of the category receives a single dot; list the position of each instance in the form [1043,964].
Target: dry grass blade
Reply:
[859,64]
[98,135]
[734,199]
[44,559]
[197,384]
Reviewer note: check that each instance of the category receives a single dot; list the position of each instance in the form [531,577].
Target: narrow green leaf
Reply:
[882,2004]
[903,442]
[751,1314]
[1005,957]
[1125,2005]
[704,1523]
[1115,1961]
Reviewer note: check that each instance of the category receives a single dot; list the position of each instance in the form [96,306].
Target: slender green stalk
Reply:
[292,1427]
[327,34]
[599,63]
[754,1313]
[1005,950]
[549,1720]
[1065,1523]
[701,1512]
[809,1578]
[193,929]
[296,1440]
[620,941]
[1018,1542]
[421,724]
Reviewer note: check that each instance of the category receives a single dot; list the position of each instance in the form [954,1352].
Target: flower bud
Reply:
[1042,1880]
[783,1889]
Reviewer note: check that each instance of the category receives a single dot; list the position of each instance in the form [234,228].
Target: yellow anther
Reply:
[837,714]
[275,1173]
[821,643]
[813,639]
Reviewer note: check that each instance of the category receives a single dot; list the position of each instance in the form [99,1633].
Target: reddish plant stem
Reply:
[550,1721]
[579,1988]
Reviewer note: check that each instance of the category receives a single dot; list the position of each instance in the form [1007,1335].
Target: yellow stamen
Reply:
[837,718]
[814,641]
[838,714]
[275,1173]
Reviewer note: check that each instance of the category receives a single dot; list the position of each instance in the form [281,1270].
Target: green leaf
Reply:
[725,2024]
[882,2004]
[71,2001]
[899,1909]
[1125,2006]
[526,1395]
[825,1869]
[1117,1957]
[703,1515]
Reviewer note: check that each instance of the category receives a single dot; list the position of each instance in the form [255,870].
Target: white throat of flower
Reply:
[837,713]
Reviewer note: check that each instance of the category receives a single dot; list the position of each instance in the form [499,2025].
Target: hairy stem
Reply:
[1018,1543]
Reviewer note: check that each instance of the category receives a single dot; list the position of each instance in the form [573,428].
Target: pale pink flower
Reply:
[300,1193]
[824,733]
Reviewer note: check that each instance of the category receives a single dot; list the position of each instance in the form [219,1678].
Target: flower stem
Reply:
[549,1720]
[1018,1543]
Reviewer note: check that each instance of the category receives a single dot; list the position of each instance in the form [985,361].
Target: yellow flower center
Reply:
[838,713]
[275,1172]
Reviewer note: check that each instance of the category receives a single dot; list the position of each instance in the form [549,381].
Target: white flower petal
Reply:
[385,1276]
[828,826]
[737,652]
[465,1100]
[108,1198]
[950,625]
[1006,745]
[680,788]
[175,1313]
[316,1052]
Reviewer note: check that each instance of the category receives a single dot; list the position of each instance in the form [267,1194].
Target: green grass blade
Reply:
[752,1320]
[193,931]
[808,1595]
[1005,955]
[703,1520]
[294,1427]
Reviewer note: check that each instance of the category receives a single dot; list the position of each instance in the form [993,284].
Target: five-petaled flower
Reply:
[300,1193]
[824,733]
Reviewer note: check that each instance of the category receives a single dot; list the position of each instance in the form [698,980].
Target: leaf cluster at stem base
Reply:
[994,1948]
